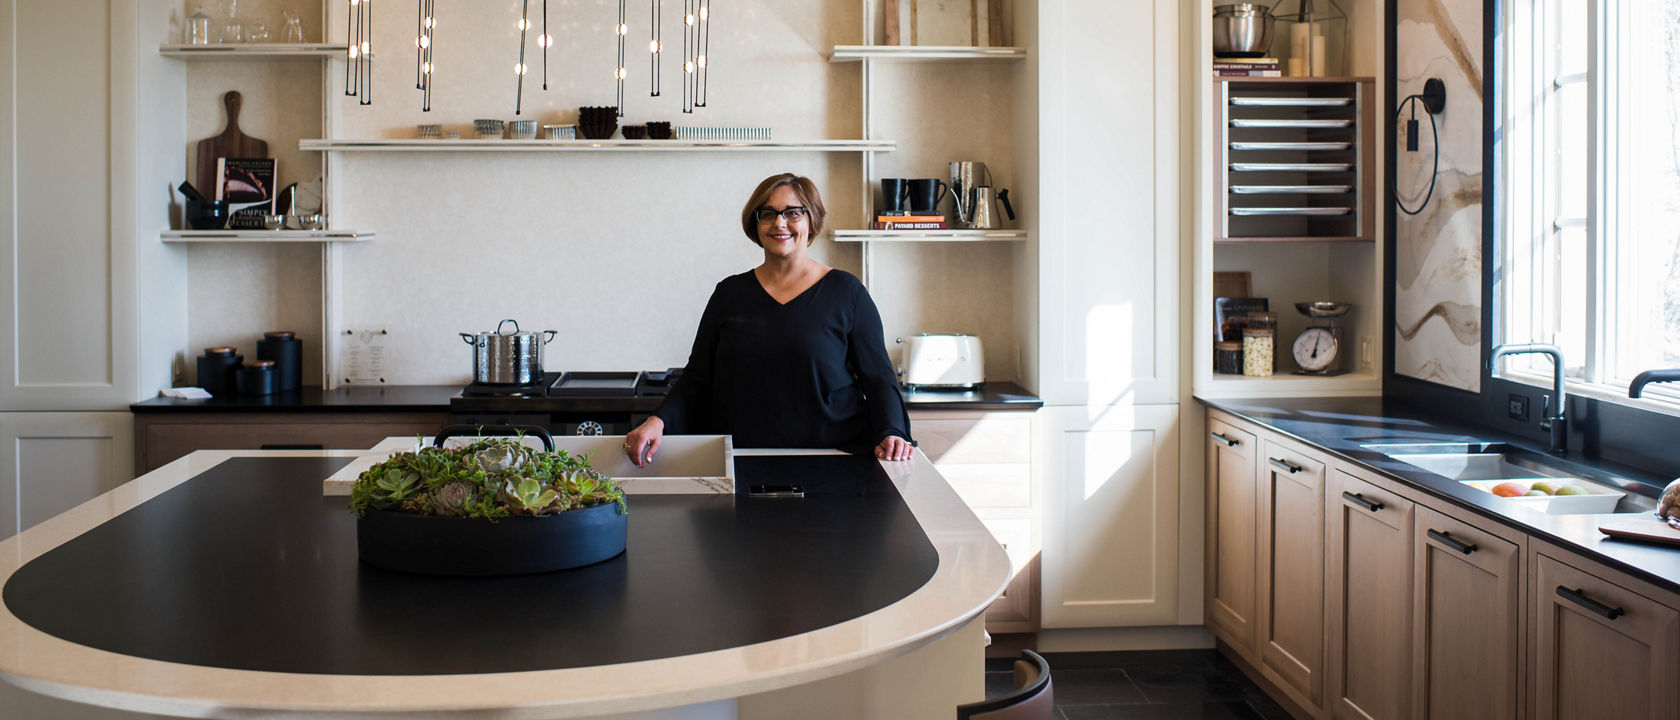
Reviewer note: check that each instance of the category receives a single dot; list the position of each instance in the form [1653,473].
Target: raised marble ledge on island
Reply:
[922,652]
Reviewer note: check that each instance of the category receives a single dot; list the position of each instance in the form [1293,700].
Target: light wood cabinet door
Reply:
[1600,650]
[1369,537]
[1291,567]
[1233,514]
[1466,604]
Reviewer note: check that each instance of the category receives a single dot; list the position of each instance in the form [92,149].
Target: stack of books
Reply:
[1246,67]
[911,222]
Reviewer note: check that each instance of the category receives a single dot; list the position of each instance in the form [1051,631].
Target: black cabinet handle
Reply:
[1580,598]
[1451,541]
[1222,438]
[1362,501]
[1284,465]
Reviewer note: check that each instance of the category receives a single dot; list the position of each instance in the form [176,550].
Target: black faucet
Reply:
[1637,387]
[1552,421]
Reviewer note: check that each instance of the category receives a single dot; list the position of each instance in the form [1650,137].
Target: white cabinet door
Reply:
[1109,227]
[1111,517]
[51,462]
[96,311]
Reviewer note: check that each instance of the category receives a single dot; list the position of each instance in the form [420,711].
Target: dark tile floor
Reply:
[1146,685]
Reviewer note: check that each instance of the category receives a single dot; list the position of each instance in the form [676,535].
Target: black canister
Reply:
[216,370]
[257,378]
[287,353]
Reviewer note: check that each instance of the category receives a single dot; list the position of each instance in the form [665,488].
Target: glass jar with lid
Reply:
[1228,357]
[1258,346]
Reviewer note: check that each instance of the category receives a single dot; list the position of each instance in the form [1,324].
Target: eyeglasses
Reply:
[791,213]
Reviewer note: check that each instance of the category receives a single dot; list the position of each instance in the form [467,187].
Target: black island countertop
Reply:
[995,395]
[1343,426]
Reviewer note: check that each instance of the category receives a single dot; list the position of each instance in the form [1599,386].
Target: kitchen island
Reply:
[225,585]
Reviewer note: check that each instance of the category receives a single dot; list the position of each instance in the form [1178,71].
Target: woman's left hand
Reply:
[893,447]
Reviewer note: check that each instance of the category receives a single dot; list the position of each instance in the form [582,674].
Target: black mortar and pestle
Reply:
[203,213]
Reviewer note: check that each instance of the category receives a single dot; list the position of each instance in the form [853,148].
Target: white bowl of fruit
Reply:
[1553,496]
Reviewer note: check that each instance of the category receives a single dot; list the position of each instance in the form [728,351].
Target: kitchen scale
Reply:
[1318,348]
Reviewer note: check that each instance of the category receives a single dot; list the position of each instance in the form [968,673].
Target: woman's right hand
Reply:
[643,442]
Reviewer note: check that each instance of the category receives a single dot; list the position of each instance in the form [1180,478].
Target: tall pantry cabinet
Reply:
[91,131]
[1121,532]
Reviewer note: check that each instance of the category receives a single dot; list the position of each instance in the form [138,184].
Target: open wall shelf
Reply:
[475,145]
[929,235]
[253,50]
[854,53]
[264,236]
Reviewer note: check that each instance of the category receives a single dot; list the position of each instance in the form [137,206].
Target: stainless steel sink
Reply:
[1484,465]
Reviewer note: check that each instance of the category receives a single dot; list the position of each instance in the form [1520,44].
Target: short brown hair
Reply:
[808,196]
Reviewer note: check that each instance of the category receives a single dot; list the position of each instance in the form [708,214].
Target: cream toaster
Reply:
[943,360]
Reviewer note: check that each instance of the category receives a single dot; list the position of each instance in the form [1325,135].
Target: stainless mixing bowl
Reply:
[1242,30]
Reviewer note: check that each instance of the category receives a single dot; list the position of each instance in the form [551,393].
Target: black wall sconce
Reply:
[1434,99]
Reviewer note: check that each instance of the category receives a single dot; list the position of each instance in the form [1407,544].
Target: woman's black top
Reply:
[810,373]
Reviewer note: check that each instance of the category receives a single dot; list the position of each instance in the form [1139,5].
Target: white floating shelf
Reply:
[264,236]
[1290,385]
[419,145]
[853,53]
[929,235]
[253,50]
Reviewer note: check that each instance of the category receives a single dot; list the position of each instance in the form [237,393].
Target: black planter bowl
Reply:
[510,546]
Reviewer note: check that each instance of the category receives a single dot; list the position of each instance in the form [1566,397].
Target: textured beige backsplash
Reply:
[616,250]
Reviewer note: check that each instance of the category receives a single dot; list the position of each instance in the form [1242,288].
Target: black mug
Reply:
[925,194]
[894,191]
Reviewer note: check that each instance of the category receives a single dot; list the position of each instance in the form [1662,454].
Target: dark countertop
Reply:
[995,395]
[361,398]
[436,398]
[1341,426]
[702,573]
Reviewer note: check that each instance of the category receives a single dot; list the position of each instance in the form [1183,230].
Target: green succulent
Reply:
[490,478]
[528,495]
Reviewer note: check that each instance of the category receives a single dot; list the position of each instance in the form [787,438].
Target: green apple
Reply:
[1544,487]
[1571,490]
[1537,492]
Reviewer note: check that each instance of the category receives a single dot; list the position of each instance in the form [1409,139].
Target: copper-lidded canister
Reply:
[216,370]
[286,351]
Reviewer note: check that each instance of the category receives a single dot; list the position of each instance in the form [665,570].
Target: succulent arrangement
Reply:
[491,478]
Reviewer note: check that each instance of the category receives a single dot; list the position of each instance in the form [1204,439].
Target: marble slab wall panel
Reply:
[1438,258]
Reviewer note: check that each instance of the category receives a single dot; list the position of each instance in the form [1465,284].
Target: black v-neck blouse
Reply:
[812,372]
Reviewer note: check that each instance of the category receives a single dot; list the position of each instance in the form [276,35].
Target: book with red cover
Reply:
[909,218]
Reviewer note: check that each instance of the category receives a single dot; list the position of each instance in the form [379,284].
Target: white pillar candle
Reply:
[1319,67]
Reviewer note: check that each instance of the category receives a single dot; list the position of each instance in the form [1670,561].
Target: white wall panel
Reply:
[51,462]
[1111,517]
[62,233]
[1110,227]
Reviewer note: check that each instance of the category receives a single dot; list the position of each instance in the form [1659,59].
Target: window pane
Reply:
[1572,140]
[1570,308]
[1646,156]
[1572,40]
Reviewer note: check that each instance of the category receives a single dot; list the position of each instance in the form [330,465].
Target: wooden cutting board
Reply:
[231,143]
[1645,527]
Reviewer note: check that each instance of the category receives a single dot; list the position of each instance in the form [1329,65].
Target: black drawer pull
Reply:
[1451,541]
[1284,465]
[291,446]
[1580,598]
[1222,438]
[1362,501]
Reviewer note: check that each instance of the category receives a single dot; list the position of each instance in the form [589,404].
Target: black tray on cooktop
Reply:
[596,384]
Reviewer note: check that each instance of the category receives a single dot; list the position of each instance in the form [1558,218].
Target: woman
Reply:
[788,354]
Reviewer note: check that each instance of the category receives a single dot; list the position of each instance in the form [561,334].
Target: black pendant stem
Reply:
[524,22]
[419,47]
[703,55]
[688,56]
[656,45]
[546,41]
[367,47]
[618,73]
[351,50]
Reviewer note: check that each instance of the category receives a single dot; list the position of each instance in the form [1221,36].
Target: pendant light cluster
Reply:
[358,70]
[425,22]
